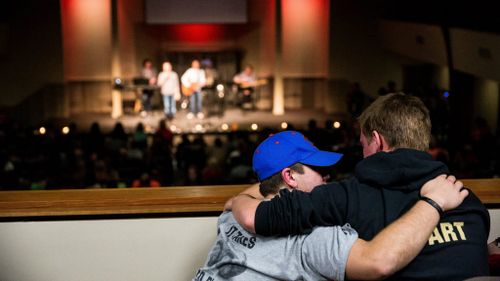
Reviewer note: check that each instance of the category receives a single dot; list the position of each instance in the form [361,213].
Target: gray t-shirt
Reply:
[240,255]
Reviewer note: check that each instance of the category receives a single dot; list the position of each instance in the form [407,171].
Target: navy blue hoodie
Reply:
[384,187]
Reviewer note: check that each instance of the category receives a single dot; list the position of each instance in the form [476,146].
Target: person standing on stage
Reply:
[211,74]
[213,102]
[149,73]
[192,82]
[168,80]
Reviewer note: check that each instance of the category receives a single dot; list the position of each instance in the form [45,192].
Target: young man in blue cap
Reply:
[289,160]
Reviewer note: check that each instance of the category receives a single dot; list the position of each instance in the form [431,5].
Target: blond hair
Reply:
[403,121]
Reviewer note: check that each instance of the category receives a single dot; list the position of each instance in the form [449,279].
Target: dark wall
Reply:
[31,54]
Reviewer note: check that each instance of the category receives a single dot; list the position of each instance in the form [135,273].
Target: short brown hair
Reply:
[272,184]
[403,121]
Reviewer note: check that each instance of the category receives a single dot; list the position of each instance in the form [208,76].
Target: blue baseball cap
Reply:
[286,148]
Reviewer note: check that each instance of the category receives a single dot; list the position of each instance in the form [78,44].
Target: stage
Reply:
[229,119]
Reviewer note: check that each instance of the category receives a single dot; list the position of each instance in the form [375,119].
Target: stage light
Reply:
[198,128]
[65,130]
[446,94]
[173,128]
[42,130]
[190,116]
[336,124]
[184,104]
[254,127]
[220,90]
[224,127]
[118,84]
[284,125]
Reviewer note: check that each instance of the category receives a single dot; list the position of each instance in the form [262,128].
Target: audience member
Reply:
[140,138]
[95,140]
[483,143]
[218,152]
[145,181]
[118,139]
[357,100]
[494,257]
[391,88]
[316,135]
[161,159]
[164,133]
[198,157]
[183,156]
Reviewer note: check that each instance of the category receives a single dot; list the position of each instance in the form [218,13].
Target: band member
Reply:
[168,80]
[246,82]
[213,102]
[148,72]
[192,82]
[246,78]
[211,74]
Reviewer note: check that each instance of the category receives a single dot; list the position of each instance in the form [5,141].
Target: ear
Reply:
[288,178]
[379,141]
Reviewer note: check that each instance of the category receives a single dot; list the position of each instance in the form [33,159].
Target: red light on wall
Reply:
[197,32]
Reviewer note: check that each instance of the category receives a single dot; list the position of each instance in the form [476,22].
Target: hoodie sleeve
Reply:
[298,212]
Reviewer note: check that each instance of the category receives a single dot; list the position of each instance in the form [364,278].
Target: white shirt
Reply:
[169,83]
[194,76]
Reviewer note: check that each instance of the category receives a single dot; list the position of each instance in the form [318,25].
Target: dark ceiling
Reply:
[481,15]
[478,15]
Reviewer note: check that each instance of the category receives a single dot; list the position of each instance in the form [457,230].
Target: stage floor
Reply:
[227,120]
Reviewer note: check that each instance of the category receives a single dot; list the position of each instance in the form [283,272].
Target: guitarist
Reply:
[246,81]
[192,81]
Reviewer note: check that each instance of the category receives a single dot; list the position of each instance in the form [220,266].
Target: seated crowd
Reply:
[96,159]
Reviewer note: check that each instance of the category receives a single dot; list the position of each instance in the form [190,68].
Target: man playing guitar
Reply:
[246,81]
[192,81]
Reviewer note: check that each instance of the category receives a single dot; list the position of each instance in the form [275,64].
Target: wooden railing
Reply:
[129,201]
[488,190]
[169,201]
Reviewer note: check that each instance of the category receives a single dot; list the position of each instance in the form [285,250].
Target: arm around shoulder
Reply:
[244,208]
[391,249]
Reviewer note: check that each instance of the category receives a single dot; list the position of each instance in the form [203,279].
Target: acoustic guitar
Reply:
[187,91]
[259,82]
